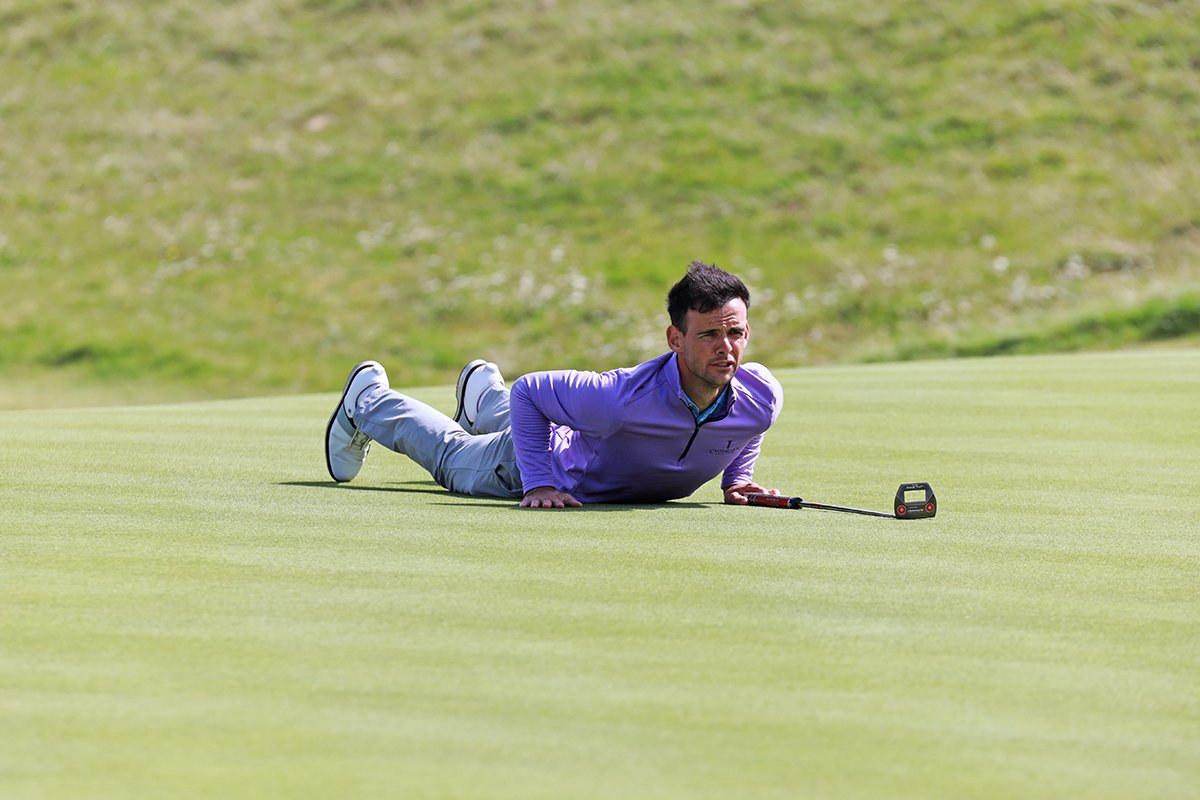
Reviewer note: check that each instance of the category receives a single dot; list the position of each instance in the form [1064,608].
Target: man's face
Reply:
[710,351]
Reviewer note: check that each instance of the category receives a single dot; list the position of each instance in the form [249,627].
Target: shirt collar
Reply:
[717,407]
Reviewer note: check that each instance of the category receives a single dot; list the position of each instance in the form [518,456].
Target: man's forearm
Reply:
[531,437]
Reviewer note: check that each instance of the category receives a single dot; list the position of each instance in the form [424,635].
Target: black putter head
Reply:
[915,501]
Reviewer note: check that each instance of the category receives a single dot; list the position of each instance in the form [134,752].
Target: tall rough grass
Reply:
[243,198]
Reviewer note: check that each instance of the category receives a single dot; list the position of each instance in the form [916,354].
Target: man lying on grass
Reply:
[644,434]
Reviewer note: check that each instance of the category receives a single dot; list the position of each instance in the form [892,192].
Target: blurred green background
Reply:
[213,199]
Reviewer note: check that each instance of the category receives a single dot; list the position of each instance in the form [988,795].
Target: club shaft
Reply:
[824,507]
[784,501]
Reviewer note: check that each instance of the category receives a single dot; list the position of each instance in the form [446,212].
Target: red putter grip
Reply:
[773,500]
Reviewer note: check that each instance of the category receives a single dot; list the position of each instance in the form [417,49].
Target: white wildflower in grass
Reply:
[558,254]
[855,280]
[1018,290]
[579,286]
[112,224]
[526,283]
[170,269]
[318,123]
[1000,265]
[371,239]
[3,241]
[1075,269]
[418,234]
[891,254]
[987,242]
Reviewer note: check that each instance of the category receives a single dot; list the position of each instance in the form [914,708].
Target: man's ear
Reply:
[674,338]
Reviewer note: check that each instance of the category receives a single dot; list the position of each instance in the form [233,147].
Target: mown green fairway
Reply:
[191,609]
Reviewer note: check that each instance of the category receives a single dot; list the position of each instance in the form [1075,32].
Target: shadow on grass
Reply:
[466,501]
[410,487]
[588,508]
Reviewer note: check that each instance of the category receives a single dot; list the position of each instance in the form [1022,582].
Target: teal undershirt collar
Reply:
[717,406]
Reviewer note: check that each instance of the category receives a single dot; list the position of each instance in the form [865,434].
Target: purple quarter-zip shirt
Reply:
[629,436]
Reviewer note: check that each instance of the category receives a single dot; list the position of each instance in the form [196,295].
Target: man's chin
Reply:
[722,377]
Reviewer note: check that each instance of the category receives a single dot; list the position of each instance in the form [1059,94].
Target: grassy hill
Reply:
[215,199]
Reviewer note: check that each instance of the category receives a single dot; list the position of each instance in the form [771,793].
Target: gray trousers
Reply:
[479,461]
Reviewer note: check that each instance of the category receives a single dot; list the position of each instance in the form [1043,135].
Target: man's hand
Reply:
[548,497]
[736,495]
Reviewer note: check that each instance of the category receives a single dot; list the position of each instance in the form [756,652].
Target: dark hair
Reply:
[704,288]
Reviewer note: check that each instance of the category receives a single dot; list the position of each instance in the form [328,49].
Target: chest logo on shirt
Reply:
[727,450]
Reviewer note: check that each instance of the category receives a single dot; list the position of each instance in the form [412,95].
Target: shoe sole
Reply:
[340,405]
[461,389]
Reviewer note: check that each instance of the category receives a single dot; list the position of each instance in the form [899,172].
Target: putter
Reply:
[906,506]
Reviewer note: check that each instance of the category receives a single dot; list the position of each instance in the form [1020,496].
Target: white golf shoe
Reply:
[472,381]
[345,445]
